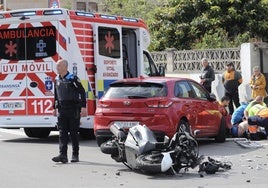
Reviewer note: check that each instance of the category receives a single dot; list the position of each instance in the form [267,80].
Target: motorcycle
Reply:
[138,149]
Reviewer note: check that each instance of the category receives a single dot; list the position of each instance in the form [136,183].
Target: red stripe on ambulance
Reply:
[63,22]
[26,93]
[20,76]
[4,26]
[6,93]
[62,41]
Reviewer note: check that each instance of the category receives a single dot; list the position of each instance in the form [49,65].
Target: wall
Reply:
[249,57]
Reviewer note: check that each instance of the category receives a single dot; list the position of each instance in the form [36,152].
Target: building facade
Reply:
[23,4]
[86,5]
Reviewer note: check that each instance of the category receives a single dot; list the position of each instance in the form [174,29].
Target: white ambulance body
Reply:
[99,48]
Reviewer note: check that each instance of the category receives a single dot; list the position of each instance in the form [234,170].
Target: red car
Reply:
[165,105]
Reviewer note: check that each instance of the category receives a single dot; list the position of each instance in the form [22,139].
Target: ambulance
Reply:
[99,48]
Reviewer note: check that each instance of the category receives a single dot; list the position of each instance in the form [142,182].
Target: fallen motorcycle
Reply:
[138,149]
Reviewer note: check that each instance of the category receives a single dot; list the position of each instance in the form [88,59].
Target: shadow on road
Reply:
[89,163]
[228,148]
[54,139]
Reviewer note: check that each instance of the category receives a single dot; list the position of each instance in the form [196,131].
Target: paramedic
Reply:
[69,106]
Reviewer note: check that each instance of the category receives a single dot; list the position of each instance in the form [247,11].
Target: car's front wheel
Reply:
[183,126]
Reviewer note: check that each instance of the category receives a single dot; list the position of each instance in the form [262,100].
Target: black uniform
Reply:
[209,76]
[69,98]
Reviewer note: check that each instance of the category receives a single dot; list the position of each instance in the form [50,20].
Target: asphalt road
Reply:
[26,162]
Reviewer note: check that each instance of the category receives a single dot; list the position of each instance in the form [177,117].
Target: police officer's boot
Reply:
[60,158]
[75,158]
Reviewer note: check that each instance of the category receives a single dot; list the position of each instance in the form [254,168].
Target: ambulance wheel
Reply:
[86,133]
[222,132]
[37,132]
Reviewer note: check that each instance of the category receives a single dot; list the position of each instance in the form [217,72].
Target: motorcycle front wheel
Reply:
[150,163]
[109,147]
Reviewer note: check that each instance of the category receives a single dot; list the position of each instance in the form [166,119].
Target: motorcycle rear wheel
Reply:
[109,147]
[150,163]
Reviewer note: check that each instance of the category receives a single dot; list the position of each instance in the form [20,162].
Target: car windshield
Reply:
[136,90]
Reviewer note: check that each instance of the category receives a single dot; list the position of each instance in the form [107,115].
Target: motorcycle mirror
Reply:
[166,162]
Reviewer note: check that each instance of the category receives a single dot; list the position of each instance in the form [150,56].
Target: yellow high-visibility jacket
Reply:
[260,82]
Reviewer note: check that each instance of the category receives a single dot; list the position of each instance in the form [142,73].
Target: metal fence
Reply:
[189,61]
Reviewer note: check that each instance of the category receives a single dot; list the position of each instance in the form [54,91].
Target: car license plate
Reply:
[12,105]
[126,124]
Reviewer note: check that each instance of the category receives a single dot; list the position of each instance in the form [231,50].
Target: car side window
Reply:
[199,91]
[182,89]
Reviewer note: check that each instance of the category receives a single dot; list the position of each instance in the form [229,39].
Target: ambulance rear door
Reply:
[28,54]
[13,80]
[42,52]
[108,55]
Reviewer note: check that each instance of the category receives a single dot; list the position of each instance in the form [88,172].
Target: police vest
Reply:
[66,88]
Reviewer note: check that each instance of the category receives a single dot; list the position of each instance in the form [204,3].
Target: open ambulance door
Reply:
[108,56]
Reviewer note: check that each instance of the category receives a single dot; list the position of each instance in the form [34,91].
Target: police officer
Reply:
[70,105]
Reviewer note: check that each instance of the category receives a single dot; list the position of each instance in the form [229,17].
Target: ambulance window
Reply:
[40,42]
[109,42]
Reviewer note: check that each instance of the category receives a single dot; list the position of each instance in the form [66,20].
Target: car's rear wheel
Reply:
[101,140]
[37,132]
[86,133]
[183,126]
[222,132]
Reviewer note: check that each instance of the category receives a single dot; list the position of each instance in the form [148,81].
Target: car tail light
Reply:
[103,104]
[158,104]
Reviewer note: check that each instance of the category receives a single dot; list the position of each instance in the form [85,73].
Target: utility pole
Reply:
[5,5]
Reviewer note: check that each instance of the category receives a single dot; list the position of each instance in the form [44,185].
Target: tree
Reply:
[186,24]
[131,8]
